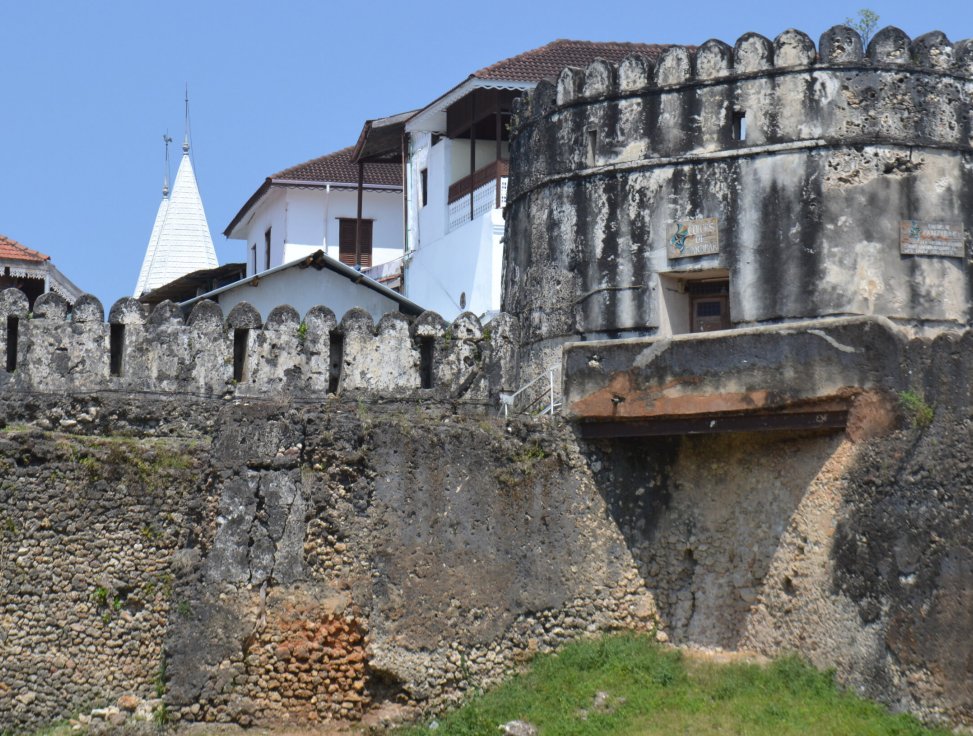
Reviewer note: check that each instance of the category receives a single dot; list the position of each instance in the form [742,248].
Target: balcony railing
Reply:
[488,189]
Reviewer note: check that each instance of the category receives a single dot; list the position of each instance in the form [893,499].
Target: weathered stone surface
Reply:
[165,353]
[274,573]
[838,151]
[763,369]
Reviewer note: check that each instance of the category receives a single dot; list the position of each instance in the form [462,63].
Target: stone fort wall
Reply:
[841,145]
[54,350]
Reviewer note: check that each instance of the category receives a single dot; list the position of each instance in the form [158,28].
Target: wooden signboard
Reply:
[688,238]
[929,238]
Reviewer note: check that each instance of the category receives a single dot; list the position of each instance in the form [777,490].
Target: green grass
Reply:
[654,690]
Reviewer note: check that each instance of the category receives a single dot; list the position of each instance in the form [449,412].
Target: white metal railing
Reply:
[484,200]
[541,401]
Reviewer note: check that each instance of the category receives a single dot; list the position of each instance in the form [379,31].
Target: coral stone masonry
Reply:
[294,518]
[740,185]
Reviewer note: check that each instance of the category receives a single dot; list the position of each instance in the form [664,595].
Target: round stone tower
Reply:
[725,187]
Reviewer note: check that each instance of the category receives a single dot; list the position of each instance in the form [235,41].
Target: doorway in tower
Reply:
[696,301]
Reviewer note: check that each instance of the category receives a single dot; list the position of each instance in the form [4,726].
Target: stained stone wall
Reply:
[853,552]
[57,348]
[255,561]
[842,144]
[271,562]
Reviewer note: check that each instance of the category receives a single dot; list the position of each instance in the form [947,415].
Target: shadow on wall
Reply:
[703,517]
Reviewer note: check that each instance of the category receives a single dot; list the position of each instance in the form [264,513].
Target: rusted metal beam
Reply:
[715,424]
[499,133]
[361,189]
[472,146]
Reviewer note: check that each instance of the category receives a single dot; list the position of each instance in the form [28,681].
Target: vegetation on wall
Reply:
[628,684]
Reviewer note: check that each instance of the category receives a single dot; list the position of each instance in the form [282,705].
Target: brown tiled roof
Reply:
[338,167]
[547,61]
[14,251]
[186,287]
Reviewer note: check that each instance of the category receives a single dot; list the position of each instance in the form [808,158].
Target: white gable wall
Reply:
[303,288]
[305,220]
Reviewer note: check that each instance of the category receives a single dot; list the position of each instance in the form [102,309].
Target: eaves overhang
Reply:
[270,183]
[318,260]
[432,118]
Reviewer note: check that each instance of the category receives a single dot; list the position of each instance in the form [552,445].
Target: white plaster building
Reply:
[456,174]
[311,280]
[180,242]
[314,206]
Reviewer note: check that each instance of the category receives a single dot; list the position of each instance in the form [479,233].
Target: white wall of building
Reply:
[303,288]
[486,152]
[431,218]
[468,260]
[304,220]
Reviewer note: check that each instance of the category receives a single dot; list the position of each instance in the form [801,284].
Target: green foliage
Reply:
[865,24]
[531,453]
[914,406]
[183,609]
[302,333]
[160,677]
[160,716]
[101,597]
[656,690]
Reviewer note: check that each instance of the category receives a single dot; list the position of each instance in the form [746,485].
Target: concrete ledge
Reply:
[810,369]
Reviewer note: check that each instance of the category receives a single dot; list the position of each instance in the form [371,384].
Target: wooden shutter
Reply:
[346,242]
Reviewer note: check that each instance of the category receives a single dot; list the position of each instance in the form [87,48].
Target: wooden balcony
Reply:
[493,171]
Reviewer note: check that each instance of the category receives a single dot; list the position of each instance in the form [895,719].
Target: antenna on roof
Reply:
[185,140]
[165,179]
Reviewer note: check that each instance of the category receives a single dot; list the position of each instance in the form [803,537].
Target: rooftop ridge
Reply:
[545,61]
[337,166]
[10,249]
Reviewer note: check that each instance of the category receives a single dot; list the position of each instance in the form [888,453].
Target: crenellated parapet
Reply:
[789,91]
[828,180]
[58,349]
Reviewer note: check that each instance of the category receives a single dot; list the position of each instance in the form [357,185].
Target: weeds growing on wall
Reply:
[914,406]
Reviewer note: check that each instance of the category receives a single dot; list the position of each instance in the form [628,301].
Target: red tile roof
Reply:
[547,61]
[338,167]
[13,251]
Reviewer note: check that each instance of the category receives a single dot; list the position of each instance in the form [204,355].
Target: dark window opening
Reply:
[241,337]
[592,147]
[253,256]
[424,187]
[709,305]
[739,125]
[427,347]
[337,341]
[13,327]
[267,248]
[346,241]
[116,349]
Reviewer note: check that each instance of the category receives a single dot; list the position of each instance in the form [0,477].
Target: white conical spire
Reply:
[180,242]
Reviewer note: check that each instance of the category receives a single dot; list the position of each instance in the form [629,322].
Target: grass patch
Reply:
[647,689]
[914,405]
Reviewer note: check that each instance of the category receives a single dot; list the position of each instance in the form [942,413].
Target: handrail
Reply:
[493,170]
[507,400]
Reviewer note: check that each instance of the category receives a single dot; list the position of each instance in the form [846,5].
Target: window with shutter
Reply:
[346,241]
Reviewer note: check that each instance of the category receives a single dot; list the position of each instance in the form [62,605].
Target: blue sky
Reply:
[90,87]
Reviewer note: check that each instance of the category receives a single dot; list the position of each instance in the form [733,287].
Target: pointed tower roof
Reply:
[180,242]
